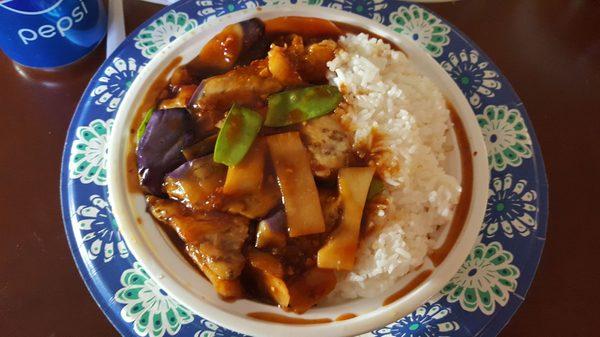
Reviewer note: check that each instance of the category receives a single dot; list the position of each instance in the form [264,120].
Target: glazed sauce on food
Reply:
[151,98]
[344,317]
[464,202]
[222,51]
[408,288]
[276,318]
[299,254]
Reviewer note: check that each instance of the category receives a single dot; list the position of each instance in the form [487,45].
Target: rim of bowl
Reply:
[124,212]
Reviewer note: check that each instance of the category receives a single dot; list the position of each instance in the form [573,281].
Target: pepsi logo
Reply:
[28,7]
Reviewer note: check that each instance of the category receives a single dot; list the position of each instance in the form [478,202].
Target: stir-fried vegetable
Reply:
[227,289]
[306,27]
[298,188]
[142,128]
[218,237]
[282,67]
[223,51]
[257,215]
[194,183]
[267,272]
[256,204]
[311,287]
[376,188]
[201,148]
[270,232]
[298,105]
[181,99]
[247,175]
[159,149]
[339,252]
[237,135]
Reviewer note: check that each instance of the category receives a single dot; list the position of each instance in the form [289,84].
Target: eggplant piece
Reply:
[243,42]
[159,150]
[195,183]
[243,86]
[217,238]
[303,26]
[227,289]
[272,231]
[256,204]
[201,148]
[181,98]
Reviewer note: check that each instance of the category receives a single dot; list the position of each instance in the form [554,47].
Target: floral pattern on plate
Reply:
[421,26]
[163,31]
[290,2]
[210,9]
[485,279]
[428,320]
[88,152]
[210,329]
[99,230]
[83,183]
[370,9]
[114,82]
[511,206]
[472,75]
[506,137]
[152,311]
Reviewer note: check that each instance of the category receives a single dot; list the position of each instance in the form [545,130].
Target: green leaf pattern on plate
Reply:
[421,26]
[506,137]
[485,279]
[152,311]
[289,2]
[88,152]
[163,31]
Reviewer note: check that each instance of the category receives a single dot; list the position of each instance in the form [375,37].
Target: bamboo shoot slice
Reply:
[311,287]
[297,184]
[247,176]
[267,272]
[340,250]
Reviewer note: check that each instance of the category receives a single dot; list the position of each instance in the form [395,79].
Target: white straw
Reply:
[162,2]
[116,26]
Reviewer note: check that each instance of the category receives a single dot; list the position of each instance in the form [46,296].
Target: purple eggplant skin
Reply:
[159,150]
[254,31]
[271,231]
[254,42]
[195,182]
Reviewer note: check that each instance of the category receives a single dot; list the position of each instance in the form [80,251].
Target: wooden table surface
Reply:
[549,50]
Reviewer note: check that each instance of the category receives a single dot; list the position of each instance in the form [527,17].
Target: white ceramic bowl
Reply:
[181,280]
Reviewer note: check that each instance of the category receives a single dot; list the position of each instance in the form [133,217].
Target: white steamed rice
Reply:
[386,95]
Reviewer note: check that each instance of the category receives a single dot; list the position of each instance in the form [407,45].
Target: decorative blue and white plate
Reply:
[478,301]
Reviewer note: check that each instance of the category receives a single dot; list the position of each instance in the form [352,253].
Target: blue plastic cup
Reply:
[50,33]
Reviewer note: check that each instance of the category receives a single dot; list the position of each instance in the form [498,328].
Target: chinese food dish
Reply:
[298,162]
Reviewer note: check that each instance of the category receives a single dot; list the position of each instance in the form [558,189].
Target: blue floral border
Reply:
[101,260]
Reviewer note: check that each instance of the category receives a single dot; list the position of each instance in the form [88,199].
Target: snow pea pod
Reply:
[237,135]
[142,128]
[299,105]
